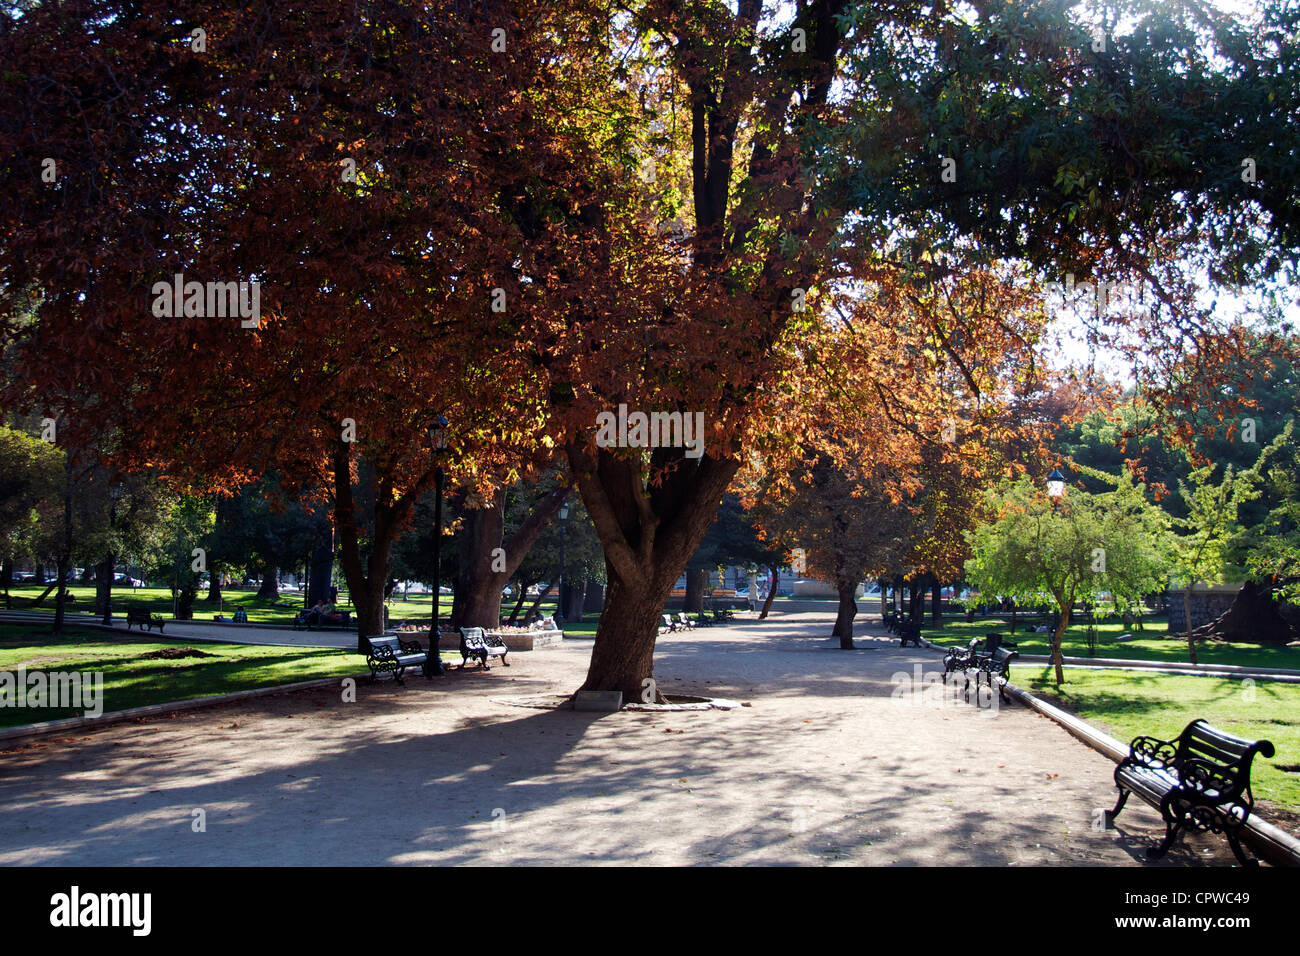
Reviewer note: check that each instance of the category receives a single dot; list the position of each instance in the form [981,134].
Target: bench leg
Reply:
[1235,842]
[504,659]
[1172,829]
[1119,804]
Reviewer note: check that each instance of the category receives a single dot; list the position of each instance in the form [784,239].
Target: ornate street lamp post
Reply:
[438,442]
[564,534]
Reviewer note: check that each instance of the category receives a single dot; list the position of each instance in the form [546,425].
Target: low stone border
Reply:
[711,703]
[118,716]
[1272,843]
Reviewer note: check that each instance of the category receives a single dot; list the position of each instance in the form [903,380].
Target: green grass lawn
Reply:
[1152,644]
[159,601]
[133,681]
[1126,704]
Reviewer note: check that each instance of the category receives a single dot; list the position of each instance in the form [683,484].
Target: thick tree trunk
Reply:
[104,589]
[848,610]
[696,578]
[320,569]
[622,657]
[574,599]
[1254,617]
[268,590]
[366,583]
[648,533]
[488,560]
[477,601]
[771,591]
[214,583]
[936,603]
[65,557]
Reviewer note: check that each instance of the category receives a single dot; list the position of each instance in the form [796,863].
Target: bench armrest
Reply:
[1208,779]
[1151,752]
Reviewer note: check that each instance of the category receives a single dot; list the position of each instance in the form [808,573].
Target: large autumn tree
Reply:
[393,176]
[657,188]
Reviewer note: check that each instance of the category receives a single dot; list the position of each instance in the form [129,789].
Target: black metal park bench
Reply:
[1199,781]
[392,655]
[143,617]
[988,660]
[477,644]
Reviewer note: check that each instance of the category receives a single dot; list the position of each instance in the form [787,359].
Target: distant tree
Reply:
[1113,541]
[31,478]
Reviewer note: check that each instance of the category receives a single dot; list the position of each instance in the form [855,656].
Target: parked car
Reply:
[128,581]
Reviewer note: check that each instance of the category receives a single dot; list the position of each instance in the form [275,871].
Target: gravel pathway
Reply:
[840,758]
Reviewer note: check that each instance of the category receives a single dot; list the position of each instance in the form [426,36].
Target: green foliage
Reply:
[1274,544]
[31,486]
[1111,542]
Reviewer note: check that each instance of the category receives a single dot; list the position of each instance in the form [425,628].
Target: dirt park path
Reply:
[834,762]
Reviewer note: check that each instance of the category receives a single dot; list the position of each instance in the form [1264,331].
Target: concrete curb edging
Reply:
[1270,842]
[151,710]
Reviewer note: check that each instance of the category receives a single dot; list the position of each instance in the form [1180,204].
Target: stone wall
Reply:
[1207,604]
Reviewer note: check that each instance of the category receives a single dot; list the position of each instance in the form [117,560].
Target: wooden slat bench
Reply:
[392,655]
[477,644]
[143,617]
[1199,781]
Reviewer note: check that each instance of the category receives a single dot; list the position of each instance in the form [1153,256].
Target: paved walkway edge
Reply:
[153,710]
[1270,842]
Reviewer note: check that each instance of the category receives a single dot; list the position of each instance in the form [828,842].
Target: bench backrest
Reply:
[389,642]
[668,621]
[472,636]
[1221,759]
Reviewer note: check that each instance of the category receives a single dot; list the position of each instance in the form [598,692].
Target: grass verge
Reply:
[133,680]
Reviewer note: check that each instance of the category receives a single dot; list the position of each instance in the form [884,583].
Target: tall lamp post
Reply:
[564,534]
[1056,491]
[438,442]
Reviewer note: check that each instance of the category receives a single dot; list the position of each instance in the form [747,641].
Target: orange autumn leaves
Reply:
[912,392]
